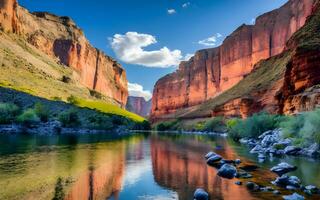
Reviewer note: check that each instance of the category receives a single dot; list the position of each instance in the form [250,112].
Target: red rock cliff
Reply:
[59,37]
[212,71]
[139,106]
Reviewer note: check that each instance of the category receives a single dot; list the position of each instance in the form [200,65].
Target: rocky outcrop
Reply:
[139,106]
[213,71]
[59,37]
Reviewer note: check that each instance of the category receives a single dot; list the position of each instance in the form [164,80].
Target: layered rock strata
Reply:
[60,38]
[213,71]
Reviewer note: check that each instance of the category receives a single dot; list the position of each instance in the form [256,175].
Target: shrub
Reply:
[66,79]
[8,112]
[73,100]
[102,122]
[254,126]
[95,94]
[303,128]
[216,124]
[145,125]
[69,118]
[41,111]
[28,117]
[166,126]
[199,126]
[233,126]
[292,126]
[58,190]
[57,98]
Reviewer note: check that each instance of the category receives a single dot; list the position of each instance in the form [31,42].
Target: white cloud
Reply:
[129,49]
[136,90]
[211,41]
[185,5]
[171,11]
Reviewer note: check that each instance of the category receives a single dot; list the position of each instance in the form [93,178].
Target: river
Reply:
[142,166]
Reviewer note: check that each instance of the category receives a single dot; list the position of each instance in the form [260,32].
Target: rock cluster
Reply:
[271,143]
[230,169]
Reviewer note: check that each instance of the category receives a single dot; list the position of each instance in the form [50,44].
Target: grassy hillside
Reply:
[26,69]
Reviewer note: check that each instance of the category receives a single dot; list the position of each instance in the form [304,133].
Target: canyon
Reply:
[265,66]
[61,39]
[139,106]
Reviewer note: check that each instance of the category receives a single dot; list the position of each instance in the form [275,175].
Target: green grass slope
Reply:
[26,69]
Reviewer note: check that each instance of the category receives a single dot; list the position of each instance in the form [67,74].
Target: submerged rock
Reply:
[252,186]
[277,192]
[285,181]
[243,174]
[283,168]
[257,149]
[213,159]
[200,194]
[237,161]
[238,183]
[208,155]
[294,196]
[227,171]
[249,167]
[311,189]
[312,151]
[292,150]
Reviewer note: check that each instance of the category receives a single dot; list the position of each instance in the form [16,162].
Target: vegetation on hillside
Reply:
[39,75]
[303,128]
[74,117]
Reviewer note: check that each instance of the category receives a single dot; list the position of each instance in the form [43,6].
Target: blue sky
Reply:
[161,32]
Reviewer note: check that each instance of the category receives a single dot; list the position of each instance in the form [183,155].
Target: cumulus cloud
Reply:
[211,41]
[185,5]
[137,90]
[129,49]
[171,11]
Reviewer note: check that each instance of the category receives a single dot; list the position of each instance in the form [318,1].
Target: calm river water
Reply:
[156,166]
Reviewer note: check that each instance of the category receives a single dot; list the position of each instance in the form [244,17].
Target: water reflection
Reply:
[97,167]
[180,166]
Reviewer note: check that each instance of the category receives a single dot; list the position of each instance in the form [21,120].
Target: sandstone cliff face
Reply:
[139,106]
[213,71]
[59,37]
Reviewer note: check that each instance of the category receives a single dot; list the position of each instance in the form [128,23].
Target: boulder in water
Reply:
[200,194]
[294,196]
[227,171]
[283,168]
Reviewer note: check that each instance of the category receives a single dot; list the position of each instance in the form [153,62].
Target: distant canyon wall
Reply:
[139,106]
[60,38]
[213,71]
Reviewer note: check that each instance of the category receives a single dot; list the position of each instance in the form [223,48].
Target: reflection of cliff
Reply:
[183,170]
[104,176]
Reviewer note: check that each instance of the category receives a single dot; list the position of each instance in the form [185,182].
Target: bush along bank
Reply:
[46,120]
[279,135]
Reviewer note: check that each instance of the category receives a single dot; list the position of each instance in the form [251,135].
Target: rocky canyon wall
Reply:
[139,106]
[60,38]
[213,71]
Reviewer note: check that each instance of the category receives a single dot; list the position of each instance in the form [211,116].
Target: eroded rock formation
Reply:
[59,37]
[213,71]
[139,106]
